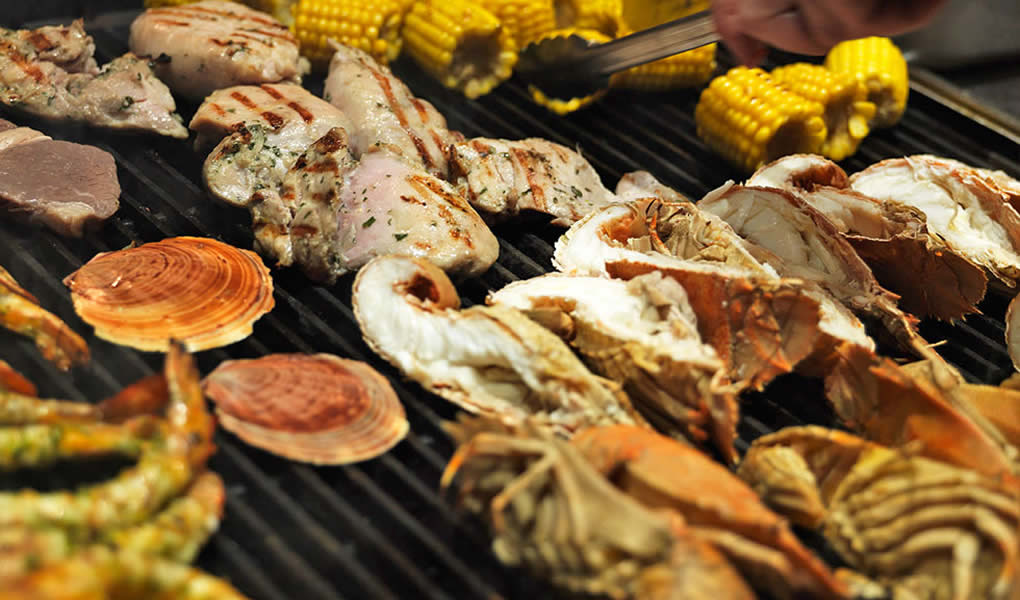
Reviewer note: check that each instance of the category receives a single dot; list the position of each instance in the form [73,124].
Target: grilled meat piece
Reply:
[266,129]
[12,135]
[502,177]
[50,73]
[67,187]
[335,214]
[216,44]
[385,114]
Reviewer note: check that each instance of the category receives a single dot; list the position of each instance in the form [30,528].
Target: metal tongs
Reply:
[572,67]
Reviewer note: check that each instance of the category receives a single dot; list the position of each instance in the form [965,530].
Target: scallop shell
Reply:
[317,408]
[199,291]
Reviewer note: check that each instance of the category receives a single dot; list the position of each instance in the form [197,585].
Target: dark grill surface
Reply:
[380,529]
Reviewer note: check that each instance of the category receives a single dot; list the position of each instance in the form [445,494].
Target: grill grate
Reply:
[379,529]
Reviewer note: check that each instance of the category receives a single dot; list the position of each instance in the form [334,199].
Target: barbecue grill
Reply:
[380,529]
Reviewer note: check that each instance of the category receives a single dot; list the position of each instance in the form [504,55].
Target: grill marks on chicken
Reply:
[502,178]
[385,114]
[50,73]
[264,129]
[346,212]
[216,44]
[66,187]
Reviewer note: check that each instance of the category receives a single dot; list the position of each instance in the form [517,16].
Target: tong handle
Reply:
[651,44]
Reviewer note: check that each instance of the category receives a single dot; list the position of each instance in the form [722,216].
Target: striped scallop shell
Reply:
[318,408]
[200,291]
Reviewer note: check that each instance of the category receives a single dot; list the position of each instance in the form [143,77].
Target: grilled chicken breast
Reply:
[216,44]
[67,187]
[267,128]
[501,178]
[335,213]
[384,113]
[50,73]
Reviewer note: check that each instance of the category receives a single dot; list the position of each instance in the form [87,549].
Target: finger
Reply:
[789,31]
[728,23]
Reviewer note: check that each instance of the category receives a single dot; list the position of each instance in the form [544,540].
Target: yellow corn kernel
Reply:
[605,16]
[687,69]
[562,106]
[371,25]
[878,64]
[751,120]
[461,44]
[526,19]
[847,109]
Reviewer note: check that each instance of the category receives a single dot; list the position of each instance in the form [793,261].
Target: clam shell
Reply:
[317,408]
[199,291]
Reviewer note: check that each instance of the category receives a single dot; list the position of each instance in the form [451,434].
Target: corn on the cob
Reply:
[562,106]
[879,65]
[687,69]
[605,16]
[461,44]
[526,19]
[642,14]
[371,25]
[751,120]
[847,110]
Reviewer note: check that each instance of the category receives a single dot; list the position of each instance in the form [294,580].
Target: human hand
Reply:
[748,27]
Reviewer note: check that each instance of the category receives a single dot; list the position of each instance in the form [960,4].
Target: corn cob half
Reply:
[847,110]
[563,106]
[879,65]
[605,16]
[751,120]
[687,69]
[461,44]
[370,25]
[526,19]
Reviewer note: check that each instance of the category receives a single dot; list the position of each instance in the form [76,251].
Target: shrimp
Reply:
[44,445]
[176,533]
[14,381]
[165,468]
[20,312]
[100,573]
[21,409]
[180,530]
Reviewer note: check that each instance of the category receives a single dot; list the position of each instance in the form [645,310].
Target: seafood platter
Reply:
[315,299]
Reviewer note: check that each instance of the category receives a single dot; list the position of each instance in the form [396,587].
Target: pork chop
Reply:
[12,135]
[67,187]
[50,73]
[385,114]
[216,44]
[501,178]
